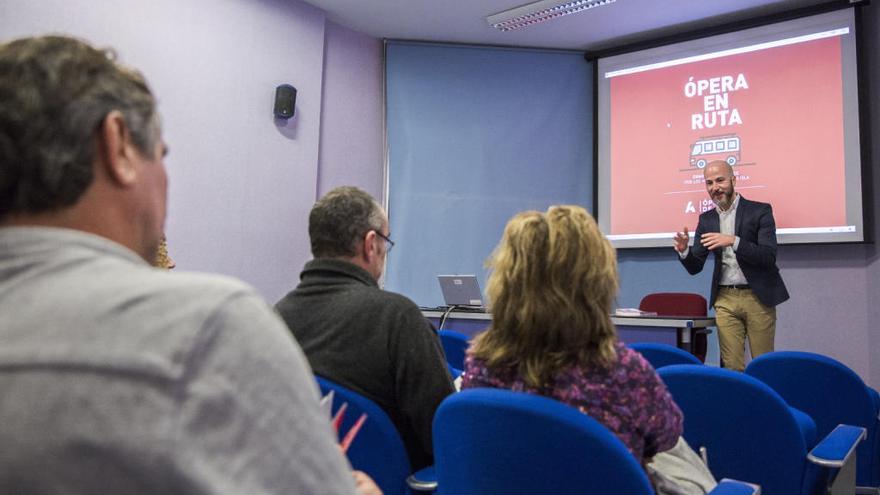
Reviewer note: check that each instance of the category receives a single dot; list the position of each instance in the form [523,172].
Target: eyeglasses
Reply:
[389,243]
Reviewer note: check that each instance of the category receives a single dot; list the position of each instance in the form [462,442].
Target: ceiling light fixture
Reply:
[536,12]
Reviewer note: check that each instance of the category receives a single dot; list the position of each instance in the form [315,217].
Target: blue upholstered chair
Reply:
[455,345]
[453,372]
[377,450]
[831,394]
[751,433]
[660,355]
[492,441]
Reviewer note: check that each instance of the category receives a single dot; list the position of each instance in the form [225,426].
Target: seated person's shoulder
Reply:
[207,284]
[399,301]
[182,288]
[379,299]
[188,300]
[402,306]
[629,358]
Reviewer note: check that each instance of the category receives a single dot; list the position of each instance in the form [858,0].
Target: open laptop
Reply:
[461,290]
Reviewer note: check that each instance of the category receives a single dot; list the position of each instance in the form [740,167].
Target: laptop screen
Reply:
[460,290]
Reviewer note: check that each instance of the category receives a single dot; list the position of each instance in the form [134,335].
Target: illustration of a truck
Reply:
[724,147]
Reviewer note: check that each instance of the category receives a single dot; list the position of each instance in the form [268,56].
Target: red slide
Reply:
[776,115]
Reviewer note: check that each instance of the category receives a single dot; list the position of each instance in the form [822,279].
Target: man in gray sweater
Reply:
[117,377]
[372,341]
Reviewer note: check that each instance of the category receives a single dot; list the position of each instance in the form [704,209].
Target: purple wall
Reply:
[870,343]
[241,183]
[352,140]
[829,305]
[835,305]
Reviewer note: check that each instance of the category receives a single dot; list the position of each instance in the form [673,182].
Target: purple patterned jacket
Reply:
[629,398]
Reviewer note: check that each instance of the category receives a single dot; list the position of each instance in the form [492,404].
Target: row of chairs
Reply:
[811,386]
[492,441]
[826,390]
[780,468]
[749,432]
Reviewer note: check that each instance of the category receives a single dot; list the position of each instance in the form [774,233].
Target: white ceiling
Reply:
[464,21]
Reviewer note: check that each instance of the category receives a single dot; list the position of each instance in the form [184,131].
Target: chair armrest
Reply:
[835,449]
[732,487]
[423,480]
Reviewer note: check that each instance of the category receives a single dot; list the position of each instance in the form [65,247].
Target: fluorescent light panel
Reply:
[536,12]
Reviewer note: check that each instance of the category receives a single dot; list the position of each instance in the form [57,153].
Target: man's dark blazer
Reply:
[756,253]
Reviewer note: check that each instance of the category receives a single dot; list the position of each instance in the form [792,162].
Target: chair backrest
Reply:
[491,441]
[455,345]
[377,449]
[831,393]
[747,428]
[675,304]
[453,372]
[660,355]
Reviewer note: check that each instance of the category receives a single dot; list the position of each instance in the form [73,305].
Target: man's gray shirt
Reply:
[116,377]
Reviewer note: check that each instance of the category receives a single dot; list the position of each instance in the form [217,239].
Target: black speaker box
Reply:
[285,101]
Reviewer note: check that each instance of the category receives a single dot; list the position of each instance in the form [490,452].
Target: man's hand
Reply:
[714,240]
[681,240]
[364,484]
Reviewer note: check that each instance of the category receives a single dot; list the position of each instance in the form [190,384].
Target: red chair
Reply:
[680,304]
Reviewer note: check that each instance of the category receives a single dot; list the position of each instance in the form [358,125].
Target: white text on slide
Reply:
[715,92]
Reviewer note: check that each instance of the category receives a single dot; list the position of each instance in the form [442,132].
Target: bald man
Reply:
[746,285]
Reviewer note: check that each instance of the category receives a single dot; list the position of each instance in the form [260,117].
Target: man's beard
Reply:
[724,200]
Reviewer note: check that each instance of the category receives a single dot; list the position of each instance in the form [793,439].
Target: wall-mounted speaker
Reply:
[285,101]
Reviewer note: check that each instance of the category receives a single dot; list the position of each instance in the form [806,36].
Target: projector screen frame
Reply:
[862,102]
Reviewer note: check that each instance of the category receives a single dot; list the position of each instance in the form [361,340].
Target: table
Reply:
[678,331]
[673,330]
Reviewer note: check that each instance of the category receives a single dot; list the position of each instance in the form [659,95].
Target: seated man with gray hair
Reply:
[115,376]
[372,341]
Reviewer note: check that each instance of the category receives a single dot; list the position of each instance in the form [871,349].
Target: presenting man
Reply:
[746,286]
[117,377]
[374,342]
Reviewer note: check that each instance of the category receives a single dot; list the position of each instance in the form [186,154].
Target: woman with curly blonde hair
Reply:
[551,290]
